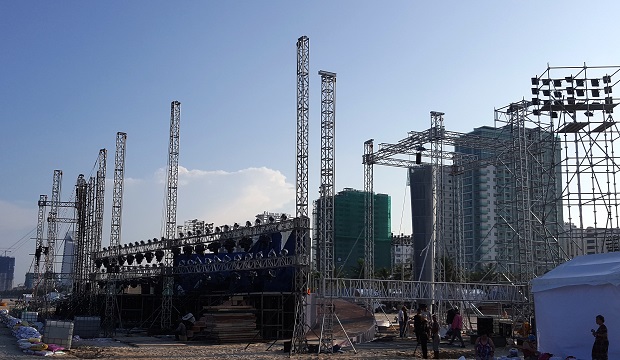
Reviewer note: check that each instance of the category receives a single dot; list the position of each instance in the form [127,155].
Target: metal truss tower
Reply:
[81,241]
[299,344]
[38,251]
[369,218]
[326,213]
[171,210]
[111,310]
[97,227]
[52,229]
[439,200]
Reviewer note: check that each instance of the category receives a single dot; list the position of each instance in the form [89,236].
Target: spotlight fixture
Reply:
[235,226]
[283,252]
[230,245]
[607,79]
[189,233]
[198,232]
[595,93]
[226,228]
[149,256]
[594,82]
[245,243]
[580,82]
[139,258]
[176,250]
[200,249]
[257,222]
[535,91]
[159,255]
[546,92]
[217,230]
[248,224]
[214,247]
[271,219]
[580,92]
[557,94]
[130,259]
[557,82]
[570,90]
[282,217]
[588,114]
[608,90]
[546,82]
[155,240]
[187,250]
[534,81]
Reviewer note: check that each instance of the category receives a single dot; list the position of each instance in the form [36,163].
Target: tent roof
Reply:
[598,269]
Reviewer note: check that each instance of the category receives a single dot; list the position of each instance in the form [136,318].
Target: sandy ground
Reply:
[142,347]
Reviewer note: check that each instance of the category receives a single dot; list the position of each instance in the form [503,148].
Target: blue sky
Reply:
[74,73]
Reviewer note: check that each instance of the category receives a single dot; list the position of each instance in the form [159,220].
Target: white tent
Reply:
[567,300]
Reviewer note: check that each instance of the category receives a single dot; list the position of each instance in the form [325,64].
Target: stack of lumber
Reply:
[227,325]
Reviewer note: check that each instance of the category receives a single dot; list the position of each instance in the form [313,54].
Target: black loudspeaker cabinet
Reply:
[485,325]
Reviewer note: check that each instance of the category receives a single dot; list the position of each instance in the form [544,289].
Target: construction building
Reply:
[7,271]
[349,230]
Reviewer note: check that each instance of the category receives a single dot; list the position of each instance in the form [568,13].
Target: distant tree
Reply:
[357,271]
[382,273]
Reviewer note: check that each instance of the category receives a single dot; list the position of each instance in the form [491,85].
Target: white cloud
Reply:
[218,196]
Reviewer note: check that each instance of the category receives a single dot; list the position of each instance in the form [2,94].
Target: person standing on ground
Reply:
[484,347]
[529,348]
[601,342]
[420,326]
[435,336]
[402,321]
[457,326]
